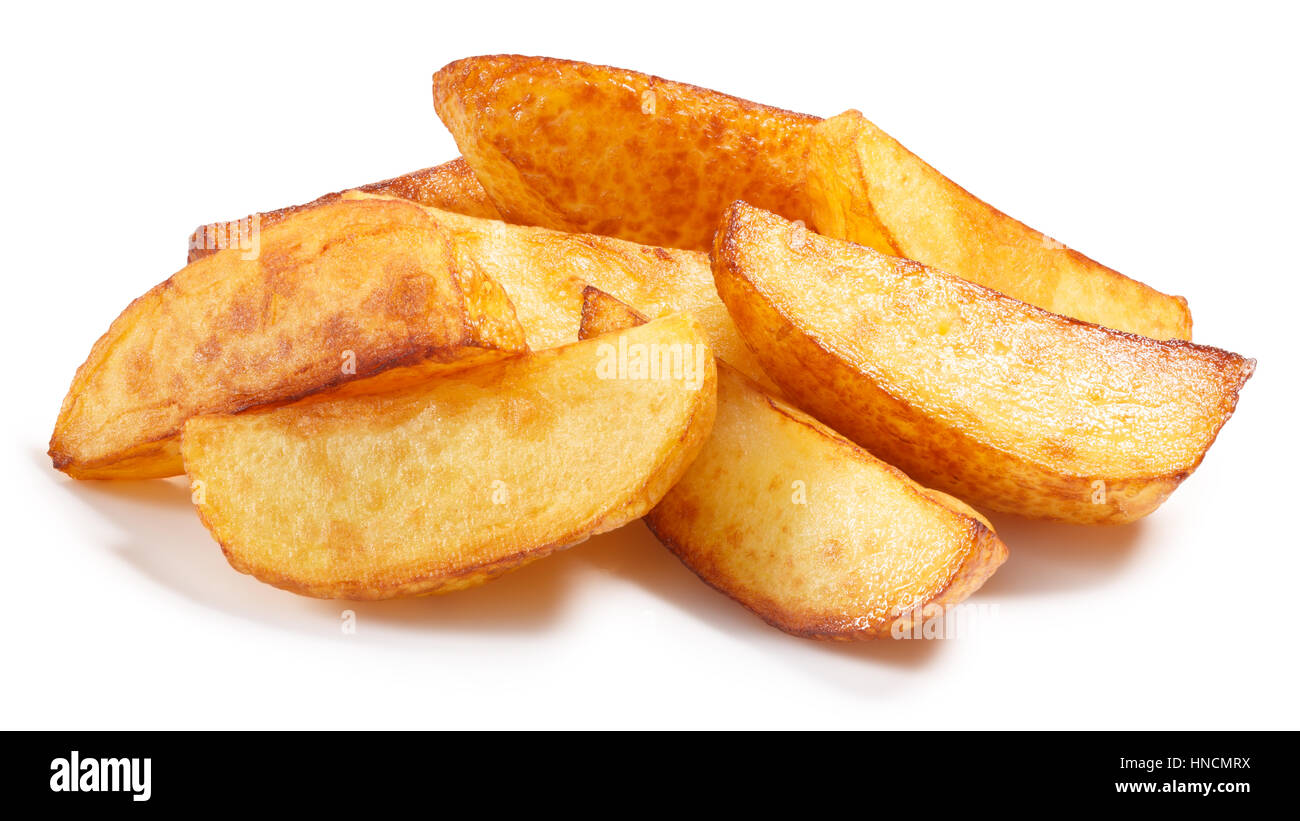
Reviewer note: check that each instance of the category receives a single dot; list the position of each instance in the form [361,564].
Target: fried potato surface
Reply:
[803,527]
[450,187]
[447,484]
[864,186]
[337,293]
[601,150]
[544,272]
[580,147]
[603,313]
[1002,404]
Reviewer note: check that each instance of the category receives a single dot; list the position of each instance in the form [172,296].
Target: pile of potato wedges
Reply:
[803,356]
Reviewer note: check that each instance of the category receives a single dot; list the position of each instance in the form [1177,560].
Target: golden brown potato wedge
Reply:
[450,187]
[337,293]
[601,150]
[864,186]
[447,484]
[544,273]
[1005,405]
[805,528]
[579,147]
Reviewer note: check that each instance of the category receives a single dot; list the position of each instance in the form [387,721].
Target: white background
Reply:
[1161,141]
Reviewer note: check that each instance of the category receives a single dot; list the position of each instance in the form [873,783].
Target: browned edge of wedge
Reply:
[450,187]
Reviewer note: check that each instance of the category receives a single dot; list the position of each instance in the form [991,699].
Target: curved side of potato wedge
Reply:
[601,150]
[812,533]
[864,186]
[338,293]
[449,483]
[803,527]
[1004,405]
[451,186]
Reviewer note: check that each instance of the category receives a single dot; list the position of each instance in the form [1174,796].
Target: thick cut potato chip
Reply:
[337,293]
[449,483]
[1005,405]
[601,150]
[866,187]
[450,187]
[805,528]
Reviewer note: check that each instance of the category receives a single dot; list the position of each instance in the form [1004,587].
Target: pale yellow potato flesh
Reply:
[447,484]
[1006,406]
[335,294]
[864,186]
[805,528]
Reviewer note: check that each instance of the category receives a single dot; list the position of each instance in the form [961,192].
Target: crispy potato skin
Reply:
[1004,405]
[447,484]
[864,186]
[375,278]
[602,150]
[451,186]
[867,548]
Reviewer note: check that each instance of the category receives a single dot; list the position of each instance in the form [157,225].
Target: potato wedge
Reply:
[601,150]
[544,272]
[803,527]
[450,483]
[1002,404]
[450,187]
[338,293]
[864,186]
[579,147]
